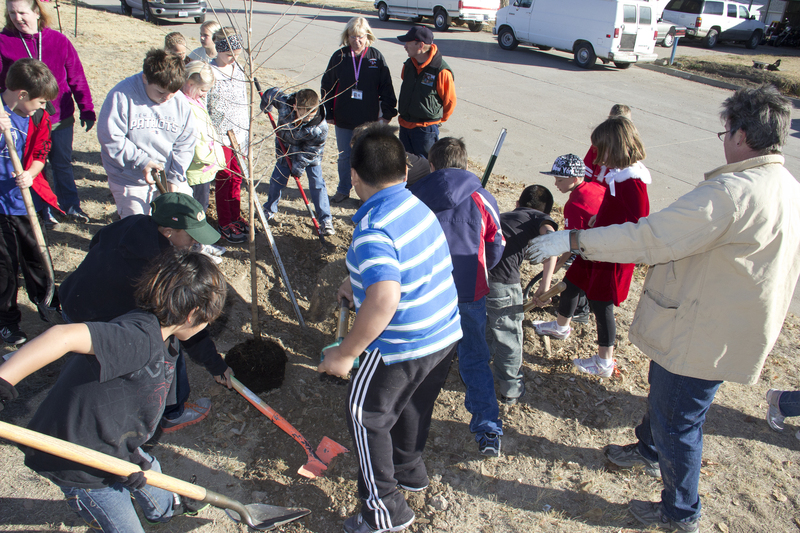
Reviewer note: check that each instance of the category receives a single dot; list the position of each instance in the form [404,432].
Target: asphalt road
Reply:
[547,103]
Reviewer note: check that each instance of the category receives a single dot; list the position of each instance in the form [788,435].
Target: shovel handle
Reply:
[344,320]
[558,288]
[94,459]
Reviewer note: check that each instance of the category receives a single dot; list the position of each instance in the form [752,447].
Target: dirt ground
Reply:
[551,476]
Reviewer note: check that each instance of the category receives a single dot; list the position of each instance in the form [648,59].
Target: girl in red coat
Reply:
[621,151]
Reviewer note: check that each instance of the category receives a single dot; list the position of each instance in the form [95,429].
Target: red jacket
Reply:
[37,146]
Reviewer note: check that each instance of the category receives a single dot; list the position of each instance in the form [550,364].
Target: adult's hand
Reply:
[7,392]
[225,378]
[88,124]
[549,245]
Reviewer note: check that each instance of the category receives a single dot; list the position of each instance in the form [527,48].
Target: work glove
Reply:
[88,124]
[7,392]
[544,246]
[136,481]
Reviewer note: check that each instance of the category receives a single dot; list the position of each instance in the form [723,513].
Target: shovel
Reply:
[258,516]
[558,288]
[317,461]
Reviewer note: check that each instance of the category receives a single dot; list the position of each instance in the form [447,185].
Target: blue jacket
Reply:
[305,142]
[471,222]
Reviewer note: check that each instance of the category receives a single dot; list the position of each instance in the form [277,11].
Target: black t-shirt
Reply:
[519,226]
[102,286]
[110,402]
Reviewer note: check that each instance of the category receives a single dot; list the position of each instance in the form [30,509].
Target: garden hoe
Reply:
[319,460]
[259,516]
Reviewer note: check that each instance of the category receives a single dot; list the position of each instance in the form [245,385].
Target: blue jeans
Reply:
[419,140]
[473,365]
[110,509]
[343,138]
[671,433]
[789,403]
[316,189]
[61,163]
[504,336]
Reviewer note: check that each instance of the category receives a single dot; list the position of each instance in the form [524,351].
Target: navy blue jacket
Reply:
[471,222]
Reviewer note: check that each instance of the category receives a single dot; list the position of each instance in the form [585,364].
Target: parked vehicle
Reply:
[473,13]
[668,32]
[618,31]
[167,9]
[716,20]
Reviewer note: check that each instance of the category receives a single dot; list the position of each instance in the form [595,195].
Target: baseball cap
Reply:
[417,33]
[568,166]
[180,211]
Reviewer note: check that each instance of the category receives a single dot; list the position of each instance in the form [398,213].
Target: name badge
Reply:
[356,94]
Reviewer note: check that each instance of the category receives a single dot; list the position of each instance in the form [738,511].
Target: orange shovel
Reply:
[319,460]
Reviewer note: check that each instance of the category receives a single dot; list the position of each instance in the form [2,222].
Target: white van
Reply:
[475,13]
[620,31]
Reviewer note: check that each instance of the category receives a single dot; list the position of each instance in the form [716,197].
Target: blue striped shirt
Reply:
[397,238]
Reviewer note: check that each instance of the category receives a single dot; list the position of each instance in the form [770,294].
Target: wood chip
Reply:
[779,496]
[723,527]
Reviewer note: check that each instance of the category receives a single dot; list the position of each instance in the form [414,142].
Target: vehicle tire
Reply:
[712,38]
[506,39]
[669,39]
[584,55]
[475,26]
[383,12]
[440,20]
[544,48]
[126,9]
[622,65]
[199,20]
[754,40]
[148,15]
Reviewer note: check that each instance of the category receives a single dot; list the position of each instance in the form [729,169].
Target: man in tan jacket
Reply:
[724,268]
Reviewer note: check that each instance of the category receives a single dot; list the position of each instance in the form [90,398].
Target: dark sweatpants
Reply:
[389,415]
[18,250]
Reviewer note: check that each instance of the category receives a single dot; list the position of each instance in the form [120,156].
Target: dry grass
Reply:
[739,70]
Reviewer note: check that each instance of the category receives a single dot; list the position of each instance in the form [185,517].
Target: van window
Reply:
[732,10]
[523,3]
[645,16]
[743,14]
[714,8]
[629,14]
[686,6]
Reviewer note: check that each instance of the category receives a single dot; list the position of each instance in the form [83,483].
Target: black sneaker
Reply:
[233,233]
[12,334]
[488,444]
[76,213]
[187,506]
[50,220]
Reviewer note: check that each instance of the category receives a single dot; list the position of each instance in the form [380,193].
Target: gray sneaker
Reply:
[628,456]
[649,514]
[774,416]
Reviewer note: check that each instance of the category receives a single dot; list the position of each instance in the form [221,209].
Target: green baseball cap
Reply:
[180,211]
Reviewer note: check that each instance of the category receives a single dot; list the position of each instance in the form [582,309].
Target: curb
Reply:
[700,79]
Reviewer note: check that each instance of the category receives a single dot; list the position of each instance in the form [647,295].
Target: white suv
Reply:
[716,20]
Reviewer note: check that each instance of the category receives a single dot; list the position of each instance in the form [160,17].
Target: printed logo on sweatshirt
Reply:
[428,78]
[373,63]
[155,123]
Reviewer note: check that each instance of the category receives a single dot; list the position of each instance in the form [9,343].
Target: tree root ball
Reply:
[259,365]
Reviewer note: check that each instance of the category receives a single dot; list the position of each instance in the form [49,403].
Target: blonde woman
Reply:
[356,89]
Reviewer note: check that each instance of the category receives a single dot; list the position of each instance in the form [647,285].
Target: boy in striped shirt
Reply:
[406,330]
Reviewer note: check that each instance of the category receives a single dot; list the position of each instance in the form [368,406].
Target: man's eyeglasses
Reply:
[721,135]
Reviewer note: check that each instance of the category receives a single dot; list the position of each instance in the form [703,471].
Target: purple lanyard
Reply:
[357,69]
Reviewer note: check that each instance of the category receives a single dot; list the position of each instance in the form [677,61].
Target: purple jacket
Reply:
[62,59]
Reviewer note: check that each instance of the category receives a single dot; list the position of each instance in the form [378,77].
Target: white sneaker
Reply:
[551,329]
[592,366]
[327,228]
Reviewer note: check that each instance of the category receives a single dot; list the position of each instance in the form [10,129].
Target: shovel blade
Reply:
[328,449]
[265,517]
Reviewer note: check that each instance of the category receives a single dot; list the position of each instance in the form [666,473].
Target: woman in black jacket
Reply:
[356,88]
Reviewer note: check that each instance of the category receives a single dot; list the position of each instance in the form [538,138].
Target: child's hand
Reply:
[24,180]
[148,169]
[5,121]
[345,292]
[7,392]
[541,290]
[335,362]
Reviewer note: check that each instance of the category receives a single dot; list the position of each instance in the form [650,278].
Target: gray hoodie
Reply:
[133,130]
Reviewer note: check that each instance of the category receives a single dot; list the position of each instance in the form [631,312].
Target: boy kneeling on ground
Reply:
[111,398]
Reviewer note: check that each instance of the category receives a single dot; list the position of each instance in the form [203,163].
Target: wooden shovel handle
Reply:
[344,320]
[558,288]
[94,459]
